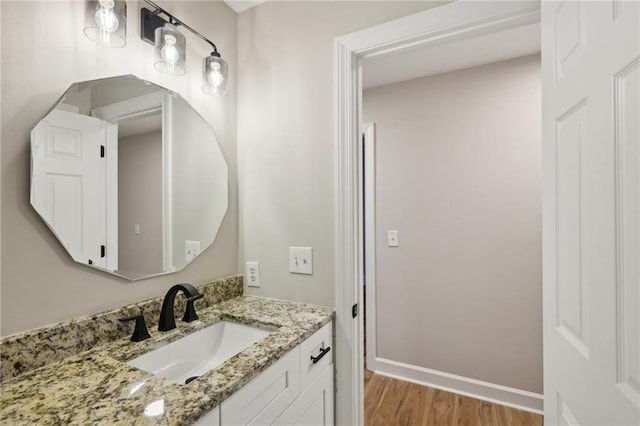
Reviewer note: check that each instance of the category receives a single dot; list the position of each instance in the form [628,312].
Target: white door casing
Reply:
[158,102]
[591,213]
[68,181]
[369,232]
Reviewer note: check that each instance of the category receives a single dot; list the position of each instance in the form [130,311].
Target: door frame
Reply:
[368,165]
[453,21]
[155,102]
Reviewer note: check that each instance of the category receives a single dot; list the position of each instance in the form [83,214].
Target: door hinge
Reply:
[101,151]
[103,251]
[354,310]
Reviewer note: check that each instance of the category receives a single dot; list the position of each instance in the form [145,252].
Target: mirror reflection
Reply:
[128,176]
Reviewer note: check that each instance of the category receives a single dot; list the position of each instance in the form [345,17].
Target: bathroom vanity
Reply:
[284,378]
[239,360]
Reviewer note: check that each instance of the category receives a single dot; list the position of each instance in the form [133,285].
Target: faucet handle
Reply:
[190,311]
[140,332]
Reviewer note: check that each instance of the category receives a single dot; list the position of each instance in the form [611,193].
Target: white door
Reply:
[68,186]
[591,158]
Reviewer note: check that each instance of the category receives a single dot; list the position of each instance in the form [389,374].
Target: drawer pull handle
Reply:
[322,353]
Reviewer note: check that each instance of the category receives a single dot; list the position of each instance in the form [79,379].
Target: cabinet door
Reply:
[314,406]
[265,397]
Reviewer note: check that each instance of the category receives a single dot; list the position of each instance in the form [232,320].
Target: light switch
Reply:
[392,238]
[301,260]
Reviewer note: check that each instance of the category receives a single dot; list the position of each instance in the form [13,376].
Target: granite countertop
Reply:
[97,386]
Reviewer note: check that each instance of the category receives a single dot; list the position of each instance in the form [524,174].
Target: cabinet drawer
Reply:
[265,397]
[319,343]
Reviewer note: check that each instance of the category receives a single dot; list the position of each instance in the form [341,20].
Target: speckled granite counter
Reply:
[97,387]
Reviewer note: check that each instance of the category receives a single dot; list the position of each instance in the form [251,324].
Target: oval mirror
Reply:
[128,176]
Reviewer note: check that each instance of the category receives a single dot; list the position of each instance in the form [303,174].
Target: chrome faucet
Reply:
[167,319]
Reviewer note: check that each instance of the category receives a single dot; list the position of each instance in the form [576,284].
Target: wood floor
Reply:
[391,402]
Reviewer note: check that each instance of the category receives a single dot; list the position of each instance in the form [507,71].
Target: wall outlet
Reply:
[191,250]
[301,260]
[252,274]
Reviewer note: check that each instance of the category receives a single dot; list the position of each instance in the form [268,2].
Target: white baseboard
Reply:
[485,391]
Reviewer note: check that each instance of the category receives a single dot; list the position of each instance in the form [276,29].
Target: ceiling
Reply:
[242,5]
[423,61]
[137,126]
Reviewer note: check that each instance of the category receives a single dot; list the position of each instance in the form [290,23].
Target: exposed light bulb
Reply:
[169,52]
[106,20]
[215,77]
[214,74]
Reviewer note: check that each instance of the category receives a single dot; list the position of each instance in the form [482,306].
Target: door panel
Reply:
[572,289]
[627,145]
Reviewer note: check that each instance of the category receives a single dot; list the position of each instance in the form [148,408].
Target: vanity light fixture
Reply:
[170,48]
[105,22]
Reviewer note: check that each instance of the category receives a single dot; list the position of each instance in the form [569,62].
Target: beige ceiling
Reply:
[242,5]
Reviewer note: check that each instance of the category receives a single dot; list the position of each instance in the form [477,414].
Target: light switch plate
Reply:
[252,274]
[392,238]
[301,260]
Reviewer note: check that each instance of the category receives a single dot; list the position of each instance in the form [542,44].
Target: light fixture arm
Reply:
[175,21]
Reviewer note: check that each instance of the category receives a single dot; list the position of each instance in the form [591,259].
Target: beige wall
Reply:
[140,202]
[43,52]
[458,175]
[286,138]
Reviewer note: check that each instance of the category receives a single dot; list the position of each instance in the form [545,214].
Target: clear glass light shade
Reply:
[170,50]
[215,75]
[105,22]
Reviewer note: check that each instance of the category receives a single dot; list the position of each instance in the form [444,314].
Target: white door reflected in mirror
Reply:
[68,182]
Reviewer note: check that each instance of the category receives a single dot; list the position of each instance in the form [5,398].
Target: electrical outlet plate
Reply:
[301,260]
[191,249]
[252,274]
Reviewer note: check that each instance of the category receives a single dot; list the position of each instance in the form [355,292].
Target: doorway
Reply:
[446,23]
[456,241]
[589,165]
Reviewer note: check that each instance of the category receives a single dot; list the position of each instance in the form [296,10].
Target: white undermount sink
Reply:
[199,352]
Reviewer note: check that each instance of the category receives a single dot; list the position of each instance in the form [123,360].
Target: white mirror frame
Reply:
[450,22]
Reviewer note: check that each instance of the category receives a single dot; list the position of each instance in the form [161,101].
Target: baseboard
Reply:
[490,392]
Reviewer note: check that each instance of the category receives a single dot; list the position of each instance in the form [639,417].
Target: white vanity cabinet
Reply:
[293,391]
